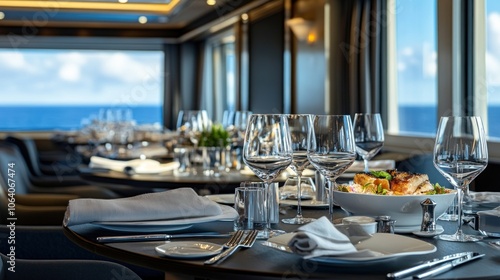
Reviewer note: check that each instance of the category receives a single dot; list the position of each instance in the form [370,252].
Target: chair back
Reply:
[13,165]
[423,163]
[29,152]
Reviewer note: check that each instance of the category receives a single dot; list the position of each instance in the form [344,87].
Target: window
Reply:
[46,89]
[415,65]
[412,41]
[492,61]
[220,75]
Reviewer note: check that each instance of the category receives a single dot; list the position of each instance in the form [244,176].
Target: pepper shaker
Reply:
[428,221]
[385,224]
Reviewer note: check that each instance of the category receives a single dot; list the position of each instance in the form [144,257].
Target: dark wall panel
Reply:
[266,47]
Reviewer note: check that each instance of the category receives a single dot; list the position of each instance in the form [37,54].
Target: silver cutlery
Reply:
[428,264]
[495,244]
[157,237]
[246,243]
[448,266]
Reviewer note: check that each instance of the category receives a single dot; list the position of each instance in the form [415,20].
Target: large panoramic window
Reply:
[416,89]
[47,89]
[492,61]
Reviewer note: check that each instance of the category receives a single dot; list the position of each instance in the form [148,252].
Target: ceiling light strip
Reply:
[95,6]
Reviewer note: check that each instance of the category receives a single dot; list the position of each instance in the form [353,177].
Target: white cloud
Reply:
[71,64]
[70,72]
[429,66]
[493,50]
[13,59]
[125,68]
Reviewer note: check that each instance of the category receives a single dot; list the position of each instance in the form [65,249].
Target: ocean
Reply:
[423,119]
[420,119]
[39,118]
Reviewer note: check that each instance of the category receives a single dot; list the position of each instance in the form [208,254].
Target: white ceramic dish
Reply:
[188,249]
[227,199]
[388,245]
[228,214]
[404,209]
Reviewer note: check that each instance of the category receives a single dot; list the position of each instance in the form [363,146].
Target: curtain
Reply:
[357,63]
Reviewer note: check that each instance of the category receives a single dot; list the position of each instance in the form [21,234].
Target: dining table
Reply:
[225,183]
[263,262]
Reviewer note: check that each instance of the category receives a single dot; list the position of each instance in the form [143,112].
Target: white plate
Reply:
[304,203]
[189,249]
[227,199]
[439,230]
[388,245]
[228,214]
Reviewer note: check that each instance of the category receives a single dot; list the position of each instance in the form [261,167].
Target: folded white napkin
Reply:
[172,204]
[139,166]
[320,238]
[484,196]
[359,166]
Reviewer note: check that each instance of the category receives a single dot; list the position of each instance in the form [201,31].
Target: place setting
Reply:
[176,210]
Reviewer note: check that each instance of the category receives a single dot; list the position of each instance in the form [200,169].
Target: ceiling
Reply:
[136,14]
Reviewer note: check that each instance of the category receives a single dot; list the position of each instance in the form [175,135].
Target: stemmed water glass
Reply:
[331,148]
[299,128]
[368,135]
[460,154]
[267,151]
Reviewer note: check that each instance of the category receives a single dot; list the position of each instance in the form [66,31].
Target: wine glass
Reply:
[331,148]
[267,151]
[460,154]
[299,128]
[368,135]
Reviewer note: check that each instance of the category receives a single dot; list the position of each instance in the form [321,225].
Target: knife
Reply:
[408,271]
[156,237]
[448,266]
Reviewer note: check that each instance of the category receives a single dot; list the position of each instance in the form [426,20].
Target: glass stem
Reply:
[267,207]
[331,187]
[299,195]
[460,198]
[366,165]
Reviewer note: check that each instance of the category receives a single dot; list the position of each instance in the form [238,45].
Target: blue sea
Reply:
[424,119]
[21,118]
[420,119]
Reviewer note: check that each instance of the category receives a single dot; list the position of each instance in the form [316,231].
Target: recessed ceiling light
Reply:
[123,1]
[2,15]
[143,19]
[211,2]
[244,17]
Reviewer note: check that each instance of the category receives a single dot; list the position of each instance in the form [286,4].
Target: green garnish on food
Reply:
[381,190]
[381,174]
[438,189]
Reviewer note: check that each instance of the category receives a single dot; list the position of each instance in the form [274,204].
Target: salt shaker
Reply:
[428,221]
[385,224]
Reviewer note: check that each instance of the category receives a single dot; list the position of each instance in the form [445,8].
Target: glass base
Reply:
[266,234]
[298,220]
[448,217]
[460,237]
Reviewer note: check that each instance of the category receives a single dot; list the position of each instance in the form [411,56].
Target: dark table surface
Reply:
[261,262]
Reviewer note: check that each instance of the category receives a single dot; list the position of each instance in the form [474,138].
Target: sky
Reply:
[38,77]
[131,78]
[417,56]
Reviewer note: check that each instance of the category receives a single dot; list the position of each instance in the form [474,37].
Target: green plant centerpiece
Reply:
[214,144]
[217,136]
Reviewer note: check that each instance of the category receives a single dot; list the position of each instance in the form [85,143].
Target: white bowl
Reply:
[405,209]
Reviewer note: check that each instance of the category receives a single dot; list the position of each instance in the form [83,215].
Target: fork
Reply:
[245,243]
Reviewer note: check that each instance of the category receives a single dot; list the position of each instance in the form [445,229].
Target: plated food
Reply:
[393,182]
[395,194]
